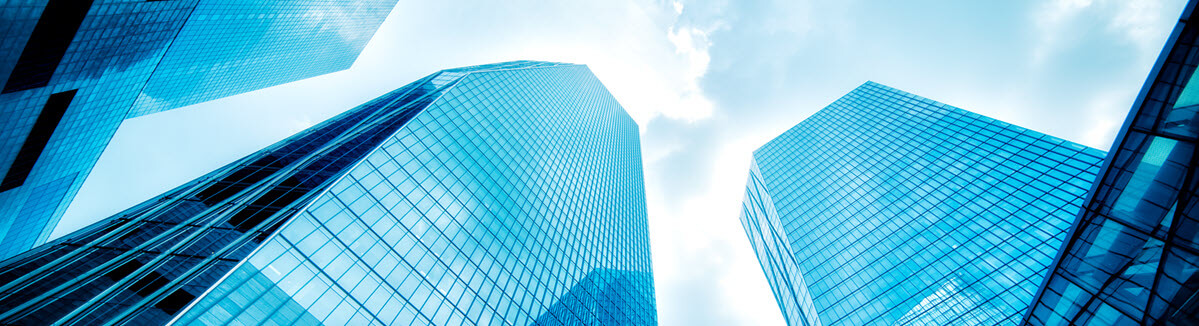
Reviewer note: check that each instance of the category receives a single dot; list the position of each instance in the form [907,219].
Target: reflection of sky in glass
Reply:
[493,206]
[900,209]
[230,47]
[757,68]
[111,56]
[1132,258]
[189,51]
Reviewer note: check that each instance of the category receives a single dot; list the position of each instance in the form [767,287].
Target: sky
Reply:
[707,82]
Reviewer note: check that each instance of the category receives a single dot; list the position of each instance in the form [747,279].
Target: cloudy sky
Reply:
[708,82]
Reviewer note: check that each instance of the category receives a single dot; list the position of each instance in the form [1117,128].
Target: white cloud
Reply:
[1052,20]
[1137,22]
[692,44]
[657,57]
[1132,34]
[1141,23]
[1105,116]
[627,44]
[706,271]
[650,61]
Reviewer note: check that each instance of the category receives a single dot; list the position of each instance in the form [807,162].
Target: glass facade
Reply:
[230,47]
[72,70]
[1132,256]
[499,194]
[889,208]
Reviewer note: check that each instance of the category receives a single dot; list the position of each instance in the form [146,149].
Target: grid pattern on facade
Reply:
[769,241]
[20,20]
[230,47]
[110,58]
[902,210]
[47,44]
[514,199]
[39,136]
[147,263]
[507,197]
[605,297]
[1132,257]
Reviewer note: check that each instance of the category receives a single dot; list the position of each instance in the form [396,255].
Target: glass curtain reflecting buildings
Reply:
[72,70]
[1132,256]
[504,194]
[889,208]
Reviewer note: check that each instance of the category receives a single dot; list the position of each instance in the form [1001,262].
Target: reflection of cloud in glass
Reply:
[230,49]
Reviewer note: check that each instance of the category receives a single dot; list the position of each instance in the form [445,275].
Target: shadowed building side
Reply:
[1132,255]
[72,71]
[497,194]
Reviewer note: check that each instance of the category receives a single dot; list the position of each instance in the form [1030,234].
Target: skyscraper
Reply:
[1132,255]
[889,208]
[72,70]
[499,194]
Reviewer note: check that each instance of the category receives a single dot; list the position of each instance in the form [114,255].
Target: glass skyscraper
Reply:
[72,70]
[889,208]
[1132,256]
[500,194]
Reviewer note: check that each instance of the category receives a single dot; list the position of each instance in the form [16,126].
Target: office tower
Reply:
[1132,257]
[72,70]
[500,194]
[889,208]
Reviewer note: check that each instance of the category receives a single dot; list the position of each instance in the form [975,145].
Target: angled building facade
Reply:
[505,194]
[73,70]
[1132,255]
[889,208]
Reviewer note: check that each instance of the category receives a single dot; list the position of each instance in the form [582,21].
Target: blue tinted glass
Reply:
[130,58]
[497,194]
[889,208]
[1133,257]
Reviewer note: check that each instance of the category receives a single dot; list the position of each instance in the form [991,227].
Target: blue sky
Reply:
[708,82]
